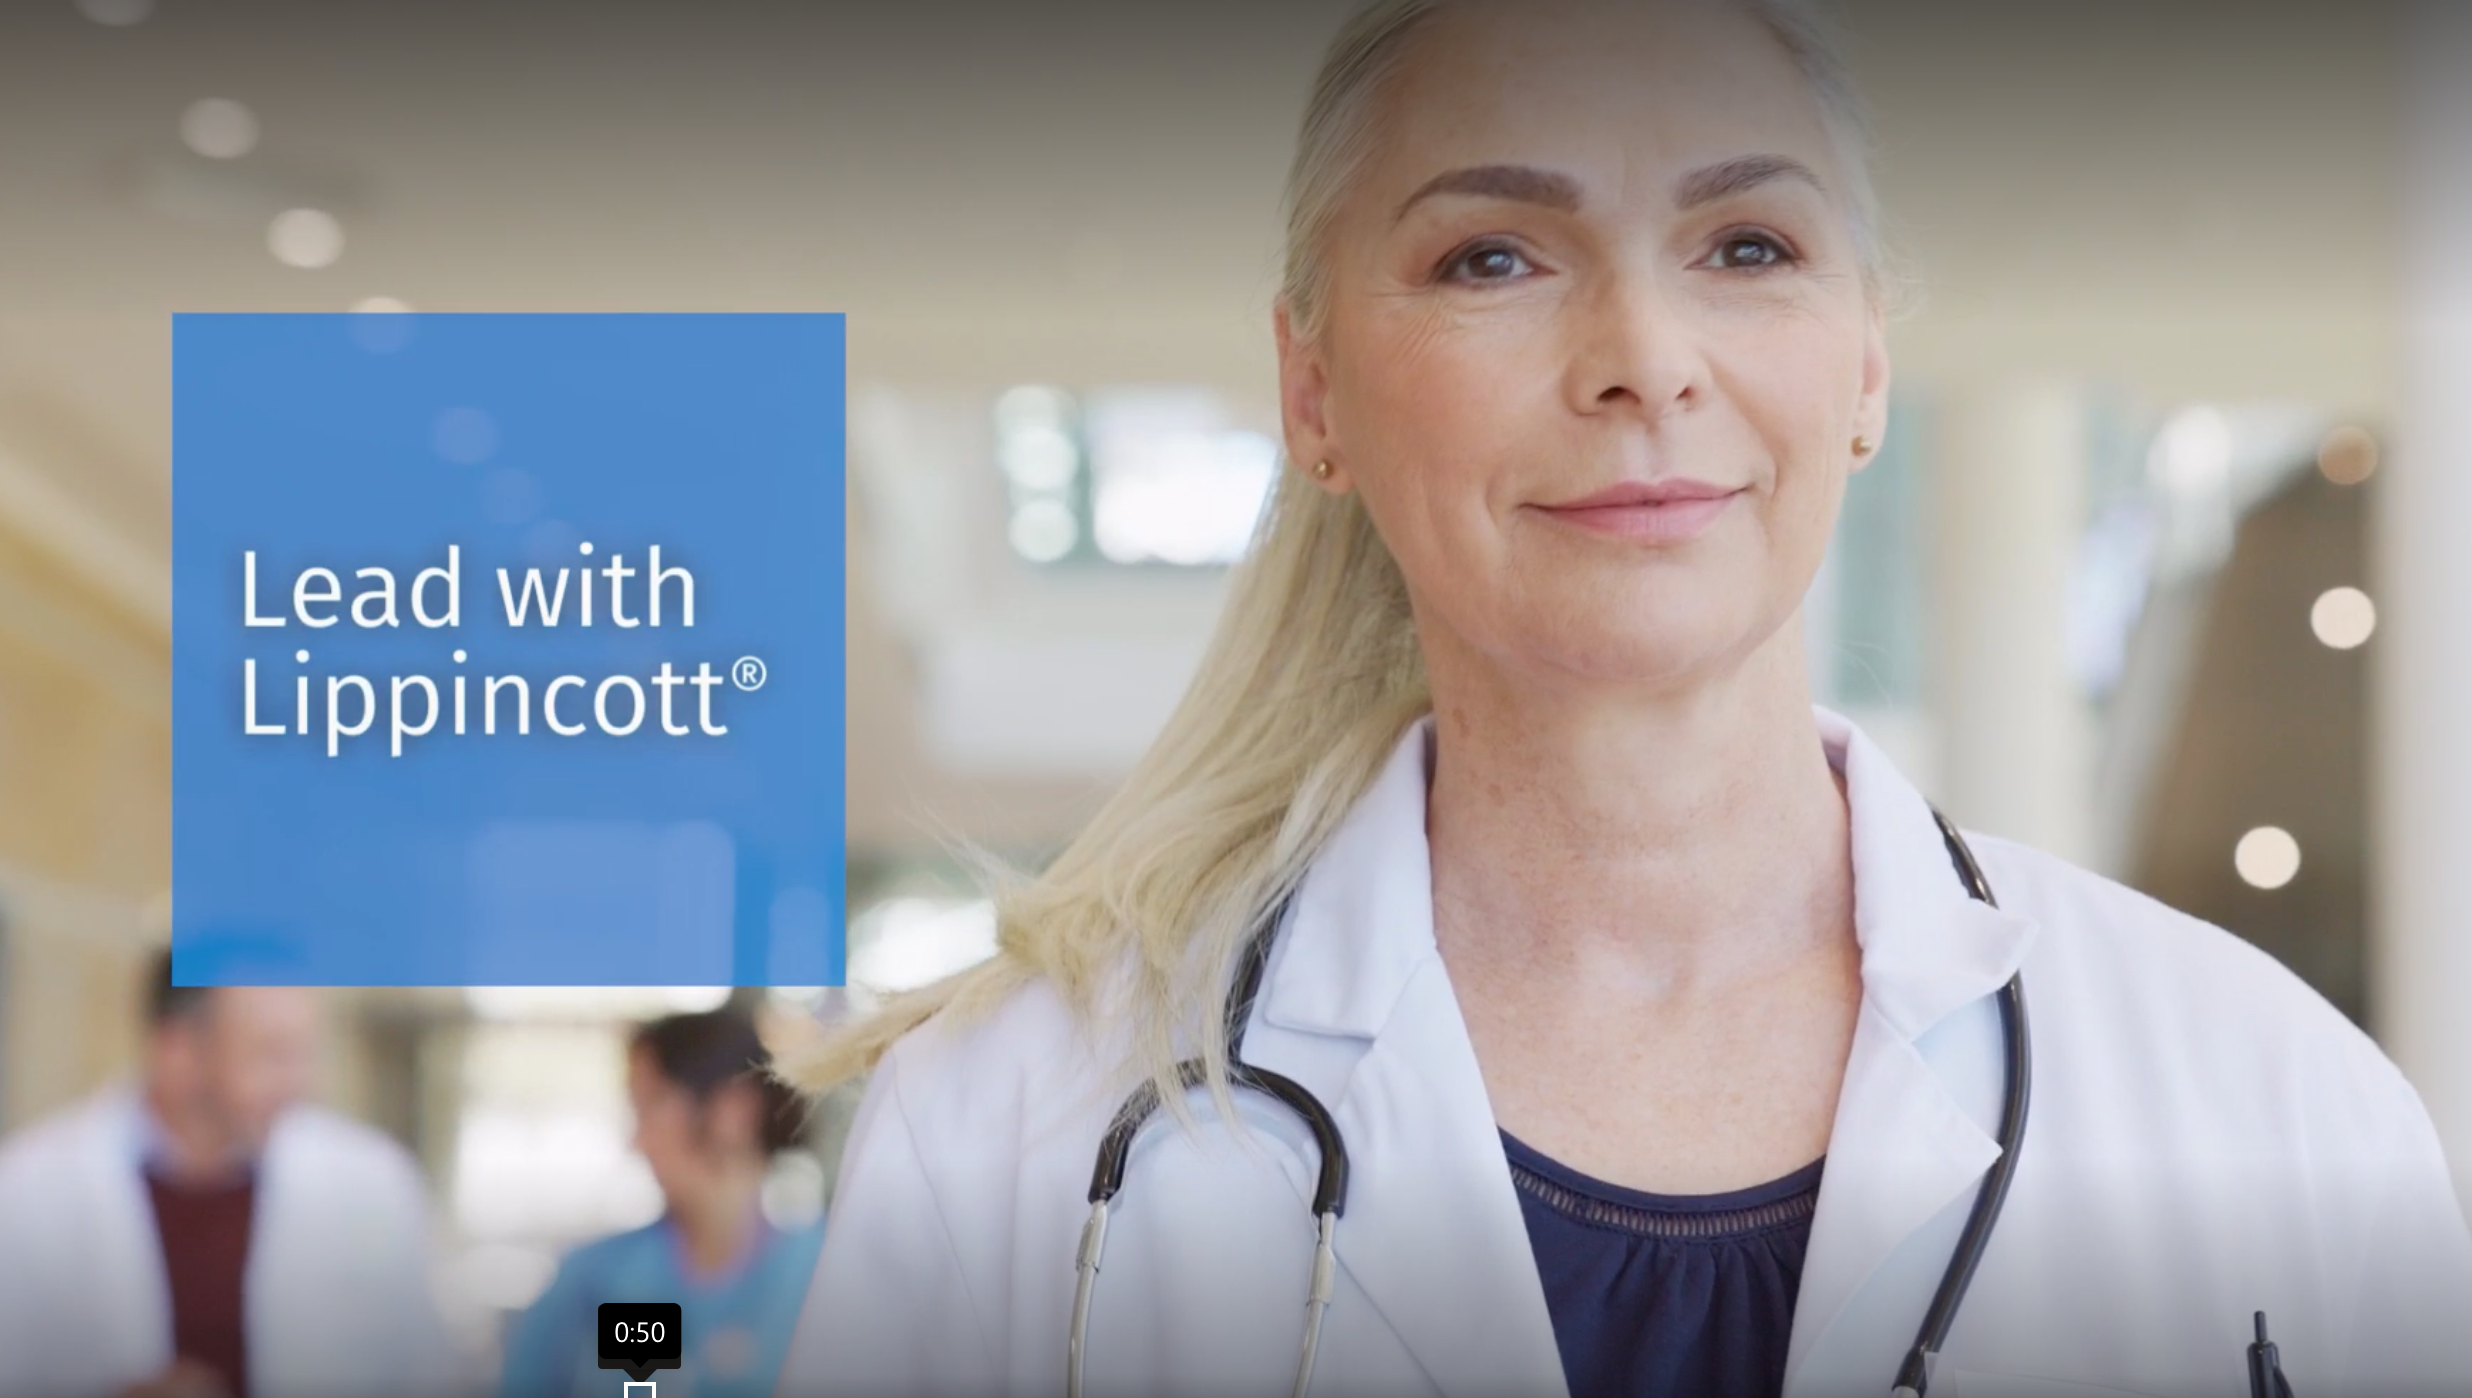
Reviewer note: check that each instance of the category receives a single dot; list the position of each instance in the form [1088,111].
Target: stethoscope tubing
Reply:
[1914,1375]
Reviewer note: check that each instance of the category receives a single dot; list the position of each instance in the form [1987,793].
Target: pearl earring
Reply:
[1321,470]
[1862,446]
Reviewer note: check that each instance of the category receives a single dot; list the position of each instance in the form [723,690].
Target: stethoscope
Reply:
[1330,1190]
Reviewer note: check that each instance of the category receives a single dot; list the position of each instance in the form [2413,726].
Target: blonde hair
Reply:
[1311,678]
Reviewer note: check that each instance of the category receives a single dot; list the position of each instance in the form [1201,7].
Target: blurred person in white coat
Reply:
[205,1233]
[1665,1029]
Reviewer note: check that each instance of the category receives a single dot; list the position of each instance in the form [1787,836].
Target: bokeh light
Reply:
[2348,455]
[2344,618]
[219,128]
[305,238]
[2267,857]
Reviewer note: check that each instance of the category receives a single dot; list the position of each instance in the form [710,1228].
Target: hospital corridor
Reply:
[2148,568]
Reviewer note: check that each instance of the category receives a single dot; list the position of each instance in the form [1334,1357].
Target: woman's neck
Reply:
[718,1224]
[1677,840]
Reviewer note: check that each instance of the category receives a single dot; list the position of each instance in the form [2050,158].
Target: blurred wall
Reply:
[2421,968]
[84,787]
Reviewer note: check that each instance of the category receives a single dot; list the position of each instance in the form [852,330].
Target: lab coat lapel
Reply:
[1901,1154]
[124,1247]
[1905,1153]
[1433,1234]
[1434,1230]
[327,1252]
[292,1236]
[84,1272]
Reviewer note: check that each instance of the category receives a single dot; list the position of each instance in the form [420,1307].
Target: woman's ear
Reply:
[1304,405]
[1871,407]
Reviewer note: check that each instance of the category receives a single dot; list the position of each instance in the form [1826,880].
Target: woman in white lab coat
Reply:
[1658,1023]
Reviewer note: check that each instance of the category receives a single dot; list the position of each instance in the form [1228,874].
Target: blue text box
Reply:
[452,788]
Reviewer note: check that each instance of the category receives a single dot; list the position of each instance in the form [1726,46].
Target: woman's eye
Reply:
[1751,252]
[1487,262]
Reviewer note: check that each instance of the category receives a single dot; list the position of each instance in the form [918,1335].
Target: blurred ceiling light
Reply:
[2348,456]
[1032,406]
[381,306]
[305,238]
[119,14]
[2267,857]
[1039,458]
[2192,455]
[904,943]
[1173,480]
[219,128]
[1043,531]
[1193,503]
[2344,618]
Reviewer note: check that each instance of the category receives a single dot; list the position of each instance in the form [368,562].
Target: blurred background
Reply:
[2164,566]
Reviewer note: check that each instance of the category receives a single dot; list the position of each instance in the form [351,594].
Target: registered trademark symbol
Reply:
[748,673]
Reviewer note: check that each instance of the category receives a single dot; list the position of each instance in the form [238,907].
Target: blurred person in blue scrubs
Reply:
[709,1118]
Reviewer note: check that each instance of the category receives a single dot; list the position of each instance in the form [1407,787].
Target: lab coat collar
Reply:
[1363,917]
[1928,947]
[1363,920]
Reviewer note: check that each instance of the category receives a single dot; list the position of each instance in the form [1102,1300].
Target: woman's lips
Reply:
[1656,512]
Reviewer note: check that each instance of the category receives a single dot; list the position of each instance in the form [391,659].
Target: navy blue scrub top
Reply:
[1655,1294]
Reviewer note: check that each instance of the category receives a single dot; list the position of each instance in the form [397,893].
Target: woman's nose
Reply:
[1635,349]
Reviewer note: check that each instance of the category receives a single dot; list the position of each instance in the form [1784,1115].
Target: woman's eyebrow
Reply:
[1726,178]
[1523,183]
[1527,184]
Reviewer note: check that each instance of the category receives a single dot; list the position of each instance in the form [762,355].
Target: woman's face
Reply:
[1597,339]
[688,1142]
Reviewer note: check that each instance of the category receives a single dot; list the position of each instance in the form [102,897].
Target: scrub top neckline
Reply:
[1786,1202]
[760,1240]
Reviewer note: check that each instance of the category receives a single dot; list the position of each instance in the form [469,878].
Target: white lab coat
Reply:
[2208,1139]
[338,1285]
